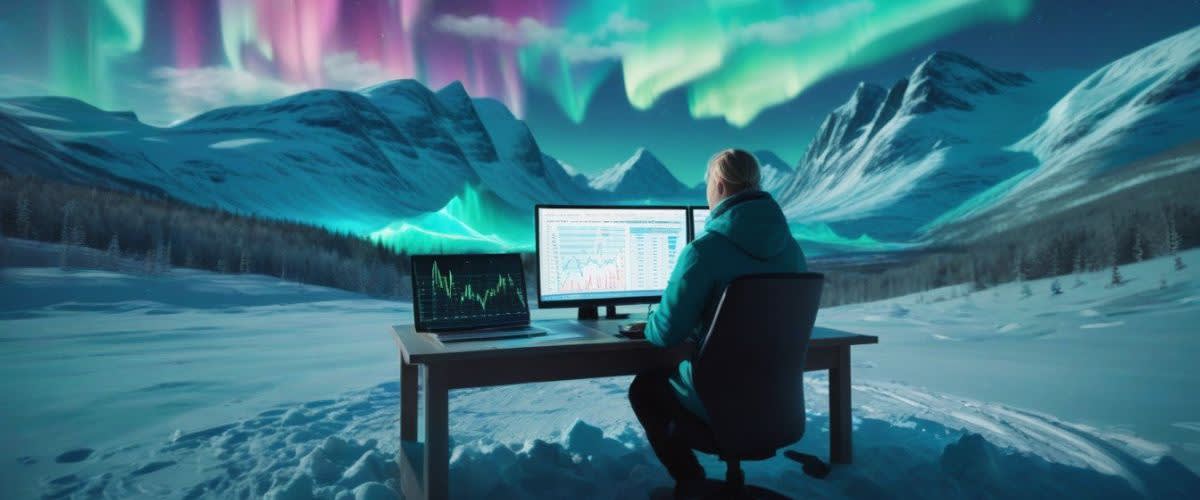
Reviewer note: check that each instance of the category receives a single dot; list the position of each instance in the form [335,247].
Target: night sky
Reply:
[594,80]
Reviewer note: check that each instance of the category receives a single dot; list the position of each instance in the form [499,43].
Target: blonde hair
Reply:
[736,168]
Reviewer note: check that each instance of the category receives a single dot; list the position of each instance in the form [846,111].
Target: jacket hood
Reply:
[753,222]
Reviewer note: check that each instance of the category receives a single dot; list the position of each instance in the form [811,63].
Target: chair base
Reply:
[734,486]
[712,489]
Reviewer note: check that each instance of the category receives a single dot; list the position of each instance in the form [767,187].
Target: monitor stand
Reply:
[593,313]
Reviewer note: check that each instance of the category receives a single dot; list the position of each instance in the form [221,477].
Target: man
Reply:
[746,233]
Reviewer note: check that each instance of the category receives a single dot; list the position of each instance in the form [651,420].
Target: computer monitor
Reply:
[463,292]
[606,255]
[699,217]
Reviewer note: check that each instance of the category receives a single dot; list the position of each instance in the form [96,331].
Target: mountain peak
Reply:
[641,175]
[948,79]
[770,159]
[454,95]
[392,87]
[846,123]
[642,153]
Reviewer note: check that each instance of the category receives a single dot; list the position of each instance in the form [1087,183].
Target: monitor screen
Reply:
[607,255]
[453,292]
[699,218]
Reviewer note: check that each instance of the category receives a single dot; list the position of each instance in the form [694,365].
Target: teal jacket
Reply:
[745,234]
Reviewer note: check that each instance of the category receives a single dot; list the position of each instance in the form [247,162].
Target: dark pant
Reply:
[656,407]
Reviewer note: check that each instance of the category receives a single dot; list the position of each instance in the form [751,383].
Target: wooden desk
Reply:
[573,350]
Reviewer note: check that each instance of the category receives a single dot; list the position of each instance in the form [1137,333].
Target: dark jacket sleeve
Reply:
[680,311]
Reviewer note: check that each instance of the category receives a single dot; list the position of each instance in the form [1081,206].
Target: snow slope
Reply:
[1127,124]
[889,161]
[195,384]
[1138,105]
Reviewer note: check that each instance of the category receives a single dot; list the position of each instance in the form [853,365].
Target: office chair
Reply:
[749,374]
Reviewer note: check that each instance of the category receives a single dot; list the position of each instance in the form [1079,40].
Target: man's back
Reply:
[746,234]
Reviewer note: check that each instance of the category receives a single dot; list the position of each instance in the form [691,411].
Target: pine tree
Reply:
[24,216]
[66,235]
[1078,268]
[1019,266]
[1117,280]
[3,245]
[78,236]
[1174,241]
[1019,271]
[1138,254]
[112,255]
[1055,287]
[164,257]
[244,264]
[148,262]
[222,265]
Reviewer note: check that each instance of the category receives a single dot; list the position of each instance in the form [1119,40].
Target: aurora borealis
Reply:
[730,62]
[735,58]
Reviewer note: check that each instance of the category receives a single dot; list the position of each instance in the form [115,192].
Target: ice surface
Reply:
[196,384]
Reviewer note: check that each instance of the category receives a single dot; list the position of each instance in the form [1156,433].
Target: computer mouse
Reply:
[635,329]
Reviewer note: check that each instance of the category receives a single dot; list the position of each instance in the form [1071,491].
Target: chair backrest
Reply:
[749,373]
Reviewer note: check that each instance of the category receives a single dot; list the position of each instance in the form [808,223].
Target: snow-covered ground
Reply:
[196,384]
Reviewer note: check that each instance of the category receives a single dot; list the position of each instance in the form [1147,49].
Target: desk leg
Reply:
[408,402]
[840,423]
[437,432]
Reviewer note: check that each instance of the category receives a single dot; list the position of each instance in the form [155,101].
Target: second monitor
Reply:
[699,220]
[605,256]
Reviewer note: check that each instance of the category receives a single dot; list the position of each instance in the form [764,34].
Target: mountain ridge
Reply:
[889,160]
[641,175]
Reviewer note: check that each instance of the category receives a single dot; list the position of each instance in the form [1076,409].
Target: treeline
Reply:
[1101,238]
[163,233]
[159,234]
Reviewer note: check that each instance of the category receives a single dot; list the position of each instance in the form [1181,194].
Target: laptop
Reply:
[471,297]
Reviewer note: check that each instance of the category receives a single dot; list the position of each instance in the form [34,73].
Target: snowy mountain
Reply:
[889,161]
[775,172]
[354,161]
[518,146]
[1131,122]
[958,150]
[641,176]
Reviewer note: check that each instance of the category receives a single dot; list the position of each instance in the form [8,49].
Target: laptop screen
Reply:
[466,292]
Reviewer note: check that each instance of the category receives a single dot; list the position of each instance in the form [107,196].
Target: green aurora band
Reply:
[738,58]
[85,52]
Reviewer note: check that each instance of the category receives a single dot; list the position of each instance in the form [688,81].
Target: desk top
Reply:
[566,335]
